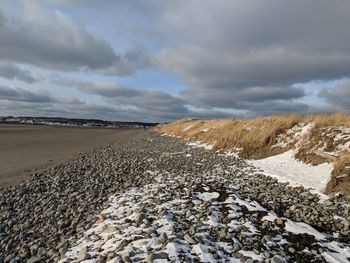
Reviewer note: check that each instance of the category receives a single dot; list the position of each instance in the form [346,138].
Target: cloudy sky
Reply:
[160,60]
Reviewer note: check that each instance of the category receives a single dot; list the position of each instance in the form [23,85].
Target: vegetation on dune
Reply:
[265,136]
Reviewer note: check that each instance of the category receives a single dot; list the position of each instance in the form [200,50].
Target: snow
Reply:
[197,144]
[294,135]
[286,169]
[302,228]
[116,234]
[296,227]
[252,255]
[208,196]
[342,252]
[251,206]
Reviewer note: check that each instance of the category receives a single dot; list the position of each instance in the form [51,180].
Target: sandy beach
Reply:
[26,149]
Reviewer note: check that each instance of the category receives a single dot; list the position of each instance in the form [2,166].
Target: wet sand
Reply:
[25,149]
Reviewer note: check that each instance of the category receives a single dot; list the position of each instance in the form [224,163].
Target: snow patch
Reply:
[287,169]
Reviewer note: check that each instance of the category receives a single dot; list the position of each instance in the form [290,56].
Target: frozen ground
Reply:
[183,222]
[180,218]
[286,169]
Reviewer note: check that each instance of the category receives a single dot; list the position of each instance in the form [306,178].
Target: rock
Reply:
[8,258]
[62,251]
[222,235]
[34,250]
[82,255]
[110,256]
[277,259]
[74,194]
[14,261]
[267,254]
[291,250]
[161,255]
[2,228]
[266,238]
[139,218]
[190,240]
[110,229]
[46,213]
[150,258]
[126,257]
[237,255]
[101,259]
[236,246]
[163,237]
[34,260]
[23,252]
[279,222]
[62,207]
[41,251]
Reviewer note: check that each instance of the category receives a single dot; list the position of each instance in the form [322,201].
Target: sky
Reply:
[158,60]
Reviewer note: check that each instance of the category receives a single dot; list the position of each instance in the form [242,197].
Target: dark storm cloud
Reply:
[339,96]
[231,98]
[12,71]
[229,48]
[153,101]
[244,57]
[18,94]
[52,40]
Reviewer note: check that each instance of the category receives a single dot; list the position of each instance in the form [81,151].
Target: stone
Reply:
[8,258]
[41,251]
[34,250]
[291,250]
[163,237]
[34,260]
[277,259]
[237,255]
[101,259]
[23,252]
[161,255]
[126,257]
[279,221]
[236,246]
[150,258]
[110,256]
[110,229]
[190,240]
[62,207]
[82,255]
[62,251]
[139,218]
[2,228]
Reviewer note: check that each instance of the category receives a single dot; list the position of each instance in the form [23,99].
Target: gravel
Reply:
[49,217]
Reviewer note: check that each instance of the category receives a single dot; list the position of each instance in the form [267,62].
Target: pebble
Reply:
[190,240]
[64,202]
[34,260]
[82,255]
[277,259]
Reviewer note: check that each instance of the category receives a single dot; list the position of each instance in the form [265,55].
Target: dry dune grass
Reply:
[257,138]
[335,119]
[251,136]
